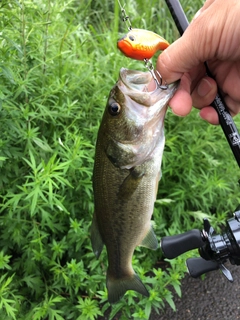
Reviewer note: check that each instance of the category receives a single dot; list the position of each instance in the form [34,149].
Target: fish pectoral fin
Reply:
[118,287]
[96,239]
[150,241]
[130,183]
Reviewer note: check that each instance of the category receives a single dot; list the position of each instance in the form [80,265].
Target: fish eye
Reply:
[131,37]
[114,109]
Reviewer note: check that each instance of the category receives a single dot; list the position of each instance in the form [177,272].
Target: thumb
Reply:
[177,59]
[195,46]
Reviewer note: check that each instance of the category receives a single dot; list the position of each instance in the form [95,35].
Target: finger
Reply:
[204,93]
[181,103]
[210,115]
[232,105]
[167,65]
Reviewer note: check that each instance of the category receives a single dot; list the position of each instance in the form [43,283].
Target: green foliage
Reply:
[58,63]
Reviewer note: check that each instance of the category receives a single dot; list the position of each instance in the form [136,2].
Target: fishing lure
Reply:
[141,44]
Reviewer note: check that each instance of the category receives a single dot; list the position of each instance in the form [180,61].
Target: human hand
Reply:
[212,36]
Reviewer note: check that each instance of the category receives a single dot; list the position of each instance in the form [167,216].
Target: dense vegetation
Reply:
[58,62]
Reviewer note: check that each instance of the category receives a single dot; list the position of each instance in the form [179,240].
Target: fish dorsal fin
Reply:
[150,241]
[96,239]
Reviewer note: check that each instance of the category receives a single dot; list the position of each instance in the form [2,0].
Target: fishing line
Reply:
[125,17]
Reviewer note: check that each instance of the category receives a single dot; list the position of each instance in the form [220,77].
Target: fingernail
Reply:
[197,14]
[204,87]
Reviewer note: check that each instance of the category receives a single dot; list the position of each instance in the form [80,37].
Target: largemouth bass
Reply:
[125,178]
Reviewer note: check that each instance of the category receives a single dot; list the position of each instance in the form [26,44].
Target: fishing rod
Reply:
[225,119]
[214,249]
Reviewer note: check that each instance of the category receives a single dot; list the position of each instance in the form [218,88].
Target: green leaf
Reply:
[148,309]
[170,302]
[7,304]
[177,288]
[4,260]
[43,145]
[89,309]
[115,309]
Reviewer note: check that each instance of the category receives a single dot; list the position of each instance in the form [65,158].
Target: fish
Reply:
[126,173]
[140,44]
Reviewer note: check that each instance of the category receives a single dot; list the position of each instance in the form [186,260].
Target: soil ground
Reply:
[214,298]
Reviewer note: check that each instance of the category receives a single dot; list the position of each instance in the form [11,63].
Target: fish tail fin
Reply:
[96,239]
[118,287]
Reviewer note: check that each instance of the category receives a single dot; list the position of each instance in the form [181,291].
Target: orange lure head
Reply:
[141,44]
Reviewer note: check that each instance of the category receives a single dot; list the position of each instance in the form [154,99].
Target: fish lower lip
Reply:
[137,82]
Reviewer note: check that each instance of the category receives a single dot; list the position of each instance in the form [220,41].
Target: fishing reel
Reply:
[214,249]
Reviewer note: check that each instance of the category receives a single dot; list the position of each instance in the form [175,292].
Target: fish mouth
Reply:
[136,85]
[135,80]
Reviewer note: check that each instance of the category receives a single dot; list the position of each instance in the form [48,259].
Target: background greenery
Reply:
[58,62]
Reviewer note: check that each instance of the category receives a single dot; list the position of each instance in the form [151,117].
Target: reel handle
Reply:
[198,266]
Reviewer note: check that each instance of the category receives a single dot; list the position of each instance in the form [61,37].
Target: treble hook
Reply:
[155,74]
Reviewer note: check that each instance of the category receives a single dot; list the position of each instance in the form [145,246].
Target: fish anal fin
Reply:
[96,239]
[118,287]
[150,241]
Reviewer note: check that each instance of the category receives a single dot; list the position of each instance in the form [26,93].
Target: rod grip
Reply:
[173,246]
